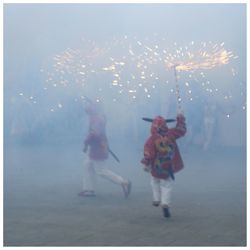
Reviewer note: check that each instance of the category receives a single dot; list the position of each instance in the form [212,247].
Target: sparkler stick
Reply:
[204,60]
[113,154]
[179,109]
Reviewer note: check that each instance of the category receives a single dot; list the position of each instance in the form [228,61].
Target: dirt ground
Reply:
[41,206]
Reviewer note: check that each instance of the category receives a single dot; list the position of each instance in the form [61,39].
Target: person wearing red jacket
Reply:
[162,158]
[96,145]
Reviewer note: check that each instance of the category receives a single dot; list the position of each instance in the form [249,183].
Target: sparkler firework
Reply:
[134,69]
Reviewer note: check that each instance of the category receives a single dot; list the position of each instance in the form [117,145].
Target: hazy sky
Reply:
[33,33]
[44,28]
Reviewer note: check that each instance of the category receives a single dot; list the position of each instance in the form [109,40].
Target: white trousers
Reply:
[93,168]
[161,190]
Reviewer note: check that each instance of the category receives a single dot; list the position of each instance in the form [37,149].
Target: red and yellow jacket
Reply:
[161,151]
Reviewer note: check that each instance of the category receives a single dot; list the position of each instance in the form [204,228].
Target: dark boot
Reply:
[87,193]
[126,187]
[166,212]
[156,203]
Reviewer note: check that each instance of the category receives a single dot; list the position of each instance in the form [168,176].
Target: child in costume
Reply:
[162,158]
[96,144]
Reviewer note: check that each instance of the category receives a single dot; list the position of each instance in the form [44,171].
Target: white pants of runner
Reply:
[93,168]
[162,190]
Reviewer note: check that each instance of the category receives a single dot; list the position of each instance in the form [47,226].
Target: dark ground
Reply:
[41,206]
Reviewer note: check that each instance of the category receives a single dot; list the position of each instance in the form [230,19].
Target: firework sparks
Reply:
[134,68]
[204,60]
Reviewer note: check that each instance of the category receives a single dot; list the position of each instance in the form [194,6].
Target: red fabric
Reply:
[160,150]
[96,139]
[158,123]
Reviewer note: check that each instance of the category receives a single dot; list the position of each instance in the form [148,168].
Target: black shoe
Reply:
[166,212]
[156,203]
[87,193]
[126,187]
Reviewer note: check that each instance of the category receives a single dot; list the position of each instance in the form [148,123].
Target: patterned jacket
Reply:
[161,152]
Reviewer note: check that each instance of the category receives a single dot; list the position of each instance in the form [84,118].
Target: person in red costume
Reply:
[96,145]
[162,158]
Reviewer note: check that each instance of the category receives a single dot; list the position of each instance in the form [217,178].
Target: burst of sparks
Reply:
[203,61]
[134,68]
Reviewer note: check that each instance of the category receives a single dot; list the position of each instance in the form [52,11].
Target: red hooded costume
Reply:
[161,152]
[96,138]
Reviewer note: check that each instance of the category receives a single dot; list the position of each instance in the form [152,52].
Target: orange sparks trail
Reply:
[203,61]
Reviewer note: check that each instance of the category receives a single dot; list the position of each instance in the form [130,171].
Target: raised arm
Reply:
[180,128]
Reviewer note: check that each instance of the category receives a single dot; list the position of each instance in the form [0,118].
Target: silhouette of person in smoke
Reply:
[96,144]
[210,120]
